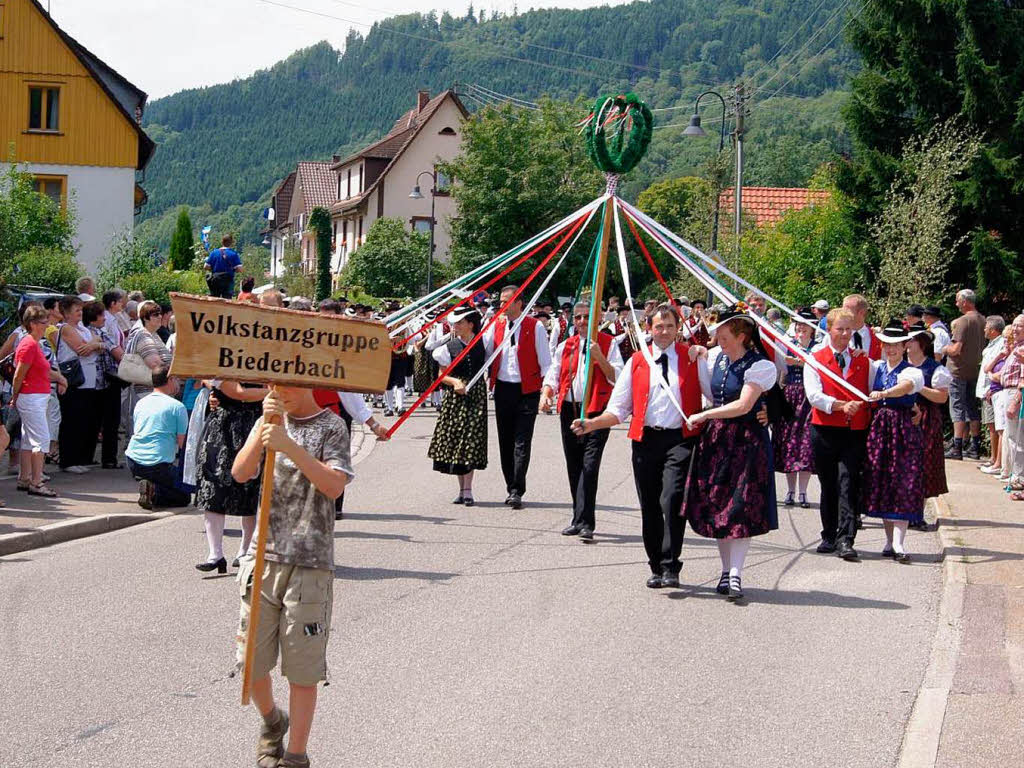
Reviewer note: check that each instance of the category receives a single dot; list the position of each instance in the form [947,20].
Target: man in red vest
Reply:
[662,443]
[516,377]
[839,431]
[563,388]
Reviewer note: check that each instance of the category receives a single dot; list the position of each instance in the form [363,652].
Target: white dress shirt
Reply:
[995,346]
[575,393]
[660,410]
[443,358]
[942,339]
[812,380]
[865,339]
[508,368]
[437,337]
[356,407]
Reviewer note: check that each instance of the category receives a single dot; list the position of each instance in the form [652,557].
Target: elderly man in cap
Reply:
[820,309]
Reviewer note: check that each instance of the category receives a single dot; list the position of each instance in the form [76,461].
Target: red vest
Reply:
[526,354]
[860,369]
[600,387]
[689,384]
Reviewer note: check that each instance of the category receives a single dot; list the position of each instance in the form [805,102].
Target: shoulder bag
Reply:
[69,369]
[132,368]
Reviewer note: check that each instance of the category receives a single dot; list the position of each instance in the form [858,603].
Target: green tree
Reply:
[924,63]
[31,220]
[43,266]
[392,262]
[294,281]
[255,264]
[128,255]
[519,172]
[320,223]
[181,242]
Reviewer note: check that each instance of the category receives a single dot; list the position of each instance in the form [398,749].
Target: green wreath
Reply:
[629,122]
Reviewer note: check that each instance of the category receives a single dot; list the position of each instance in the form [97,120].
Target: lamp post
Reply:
[417,195]
[694,129]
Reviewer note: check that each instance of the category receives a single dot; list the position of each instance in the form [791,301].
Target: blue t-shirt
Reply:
[159,419]
[224,260]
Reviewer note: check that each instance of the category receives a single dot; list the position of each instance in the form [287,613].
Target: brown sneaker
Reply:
[271,748]
[293,761]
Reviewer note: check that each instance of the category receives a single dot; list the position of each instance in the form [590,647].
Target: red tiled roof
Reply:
[767,204]
[319,185]
[284,201]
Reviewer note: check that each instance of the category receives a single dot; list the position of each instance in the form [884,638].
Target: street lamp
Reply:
[417,195]
[694,129]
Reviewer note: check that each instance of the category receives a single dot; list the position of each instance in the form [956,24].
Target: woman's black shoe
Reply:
[460,499]
[467,501]
[234,563]
[735,588]
[221,566]
[723,584]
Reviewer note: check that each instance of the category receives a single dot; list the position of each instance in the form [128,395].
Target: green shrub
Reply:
[156,285]
[46,267]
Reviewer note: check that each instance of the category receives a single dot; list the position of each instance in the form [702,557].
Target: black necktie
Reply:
[857,340]
[512,340]
[664,365]
[841,360]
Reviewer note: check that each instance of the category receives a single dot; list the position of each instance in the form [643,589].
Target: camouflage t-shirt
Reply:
[301,518]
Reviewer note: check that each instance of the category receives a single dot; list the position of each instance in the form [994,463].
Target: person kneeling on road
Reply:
[160,426]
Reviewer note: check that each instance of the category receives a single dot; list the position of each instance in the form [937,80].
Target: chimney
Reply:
[336,159]
[422,97]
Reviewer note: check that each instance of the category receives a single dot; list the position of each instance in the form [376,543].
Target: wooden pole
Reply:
[262,527]
[595,300]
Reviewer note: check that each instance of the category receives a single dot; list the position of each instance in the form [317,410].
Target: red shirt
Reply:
[37,380]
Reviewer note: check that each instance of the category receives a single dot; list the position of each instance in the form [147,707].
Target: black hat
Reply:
[567,305]
[915,310]
[462,313]
[920,329]
[695,302]
[933,310]
[736,311]
[894,332]
[806,317]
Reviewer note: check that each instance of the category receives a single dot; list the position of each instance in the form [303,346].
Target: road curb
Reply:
[78,528]
[920,746]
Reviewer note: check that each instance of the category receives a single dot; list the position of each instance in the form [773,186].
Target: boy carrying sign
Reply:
[311,471]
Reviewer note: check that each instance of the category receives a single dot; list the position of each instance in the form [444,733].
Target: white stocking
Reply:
[399,395]
[740,547]
[214,522]
[791,482]
[389,399]
[887,524]
[899,534]
[805,478]
[435,398]
[248,526]
[408,383]
[724,552]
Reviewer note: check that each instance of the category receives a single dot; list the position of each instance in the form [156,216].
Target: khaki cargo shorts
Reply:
[295,616]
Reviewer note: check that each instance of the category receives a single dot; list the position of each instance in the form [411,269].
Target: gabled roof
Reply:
[283,195]
[319,185]
[390,148]
[130,100]
[768,204]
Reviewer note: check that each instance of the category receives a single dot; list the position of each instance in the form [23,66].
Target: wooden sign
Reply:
[224,339]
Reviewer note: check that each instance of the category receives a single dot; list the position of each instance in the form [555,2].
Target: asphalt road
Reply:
[476,637]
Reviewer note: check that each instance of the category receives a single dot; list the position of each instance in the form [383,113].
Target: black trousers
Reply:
[583,463]
[80,420]
[838,457]
[167,489]
[661,462]
[514,416]
[110,410]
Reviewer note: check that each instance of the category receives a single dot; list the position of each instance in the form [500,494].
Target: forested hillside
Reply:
[227,145]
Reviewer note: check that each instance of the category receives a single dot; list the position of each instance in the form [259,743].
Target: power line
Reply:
[789,40]
[806,45]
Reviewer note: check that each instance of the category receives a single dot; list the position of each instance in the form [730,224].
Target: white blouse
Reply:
[763,374]
[910,373]
[942,378]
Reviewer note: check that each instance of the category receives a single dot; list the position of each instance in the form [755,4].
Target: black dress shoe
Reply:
[655,582]
[826,547]
[670,580]
[888,552]
[459,499]
[735,588]
[508,499]
[919,525]
[586,534]
[572,530]
[846,551]
[221,566]
[516,501]
[467,501]
[234,563]
[902,557]
[337,515]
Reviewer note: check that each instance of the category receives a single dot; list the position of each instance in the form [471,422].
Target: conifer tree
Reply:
[181,253]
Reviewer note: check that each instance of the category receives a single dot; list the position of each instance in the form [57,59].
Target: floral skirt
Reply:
[459,444]
[893,482]
[424,370]
[934,460]
[730,493]
[792,438]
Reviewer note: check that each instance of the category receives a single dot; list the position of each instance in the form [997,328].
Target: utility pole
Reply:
[740,108]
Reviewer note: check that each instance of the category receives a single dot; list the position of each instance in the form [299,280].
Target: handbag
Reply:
[70,369]
[133,369]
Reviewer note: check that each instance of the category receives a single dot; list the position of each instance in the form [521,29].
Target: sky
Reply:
[164,46]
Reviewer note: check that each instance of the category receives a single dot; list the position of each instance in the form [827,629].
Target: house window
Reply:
[421,224]
[43,108]
[446,131]
[53,187]
[443,186]
[2,14]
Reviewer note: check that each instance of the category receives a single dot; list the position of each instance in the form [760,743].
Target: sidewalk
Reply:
[98,502]
[982,533]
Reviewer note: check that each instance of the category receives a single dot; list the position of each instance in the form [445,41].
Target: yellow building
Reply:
[73,123]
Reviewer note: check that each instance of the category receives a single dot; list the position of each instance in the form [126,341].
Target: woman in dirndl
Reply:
[931,400]
[459,444]
[791,438]
[730,494]
[893,479]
